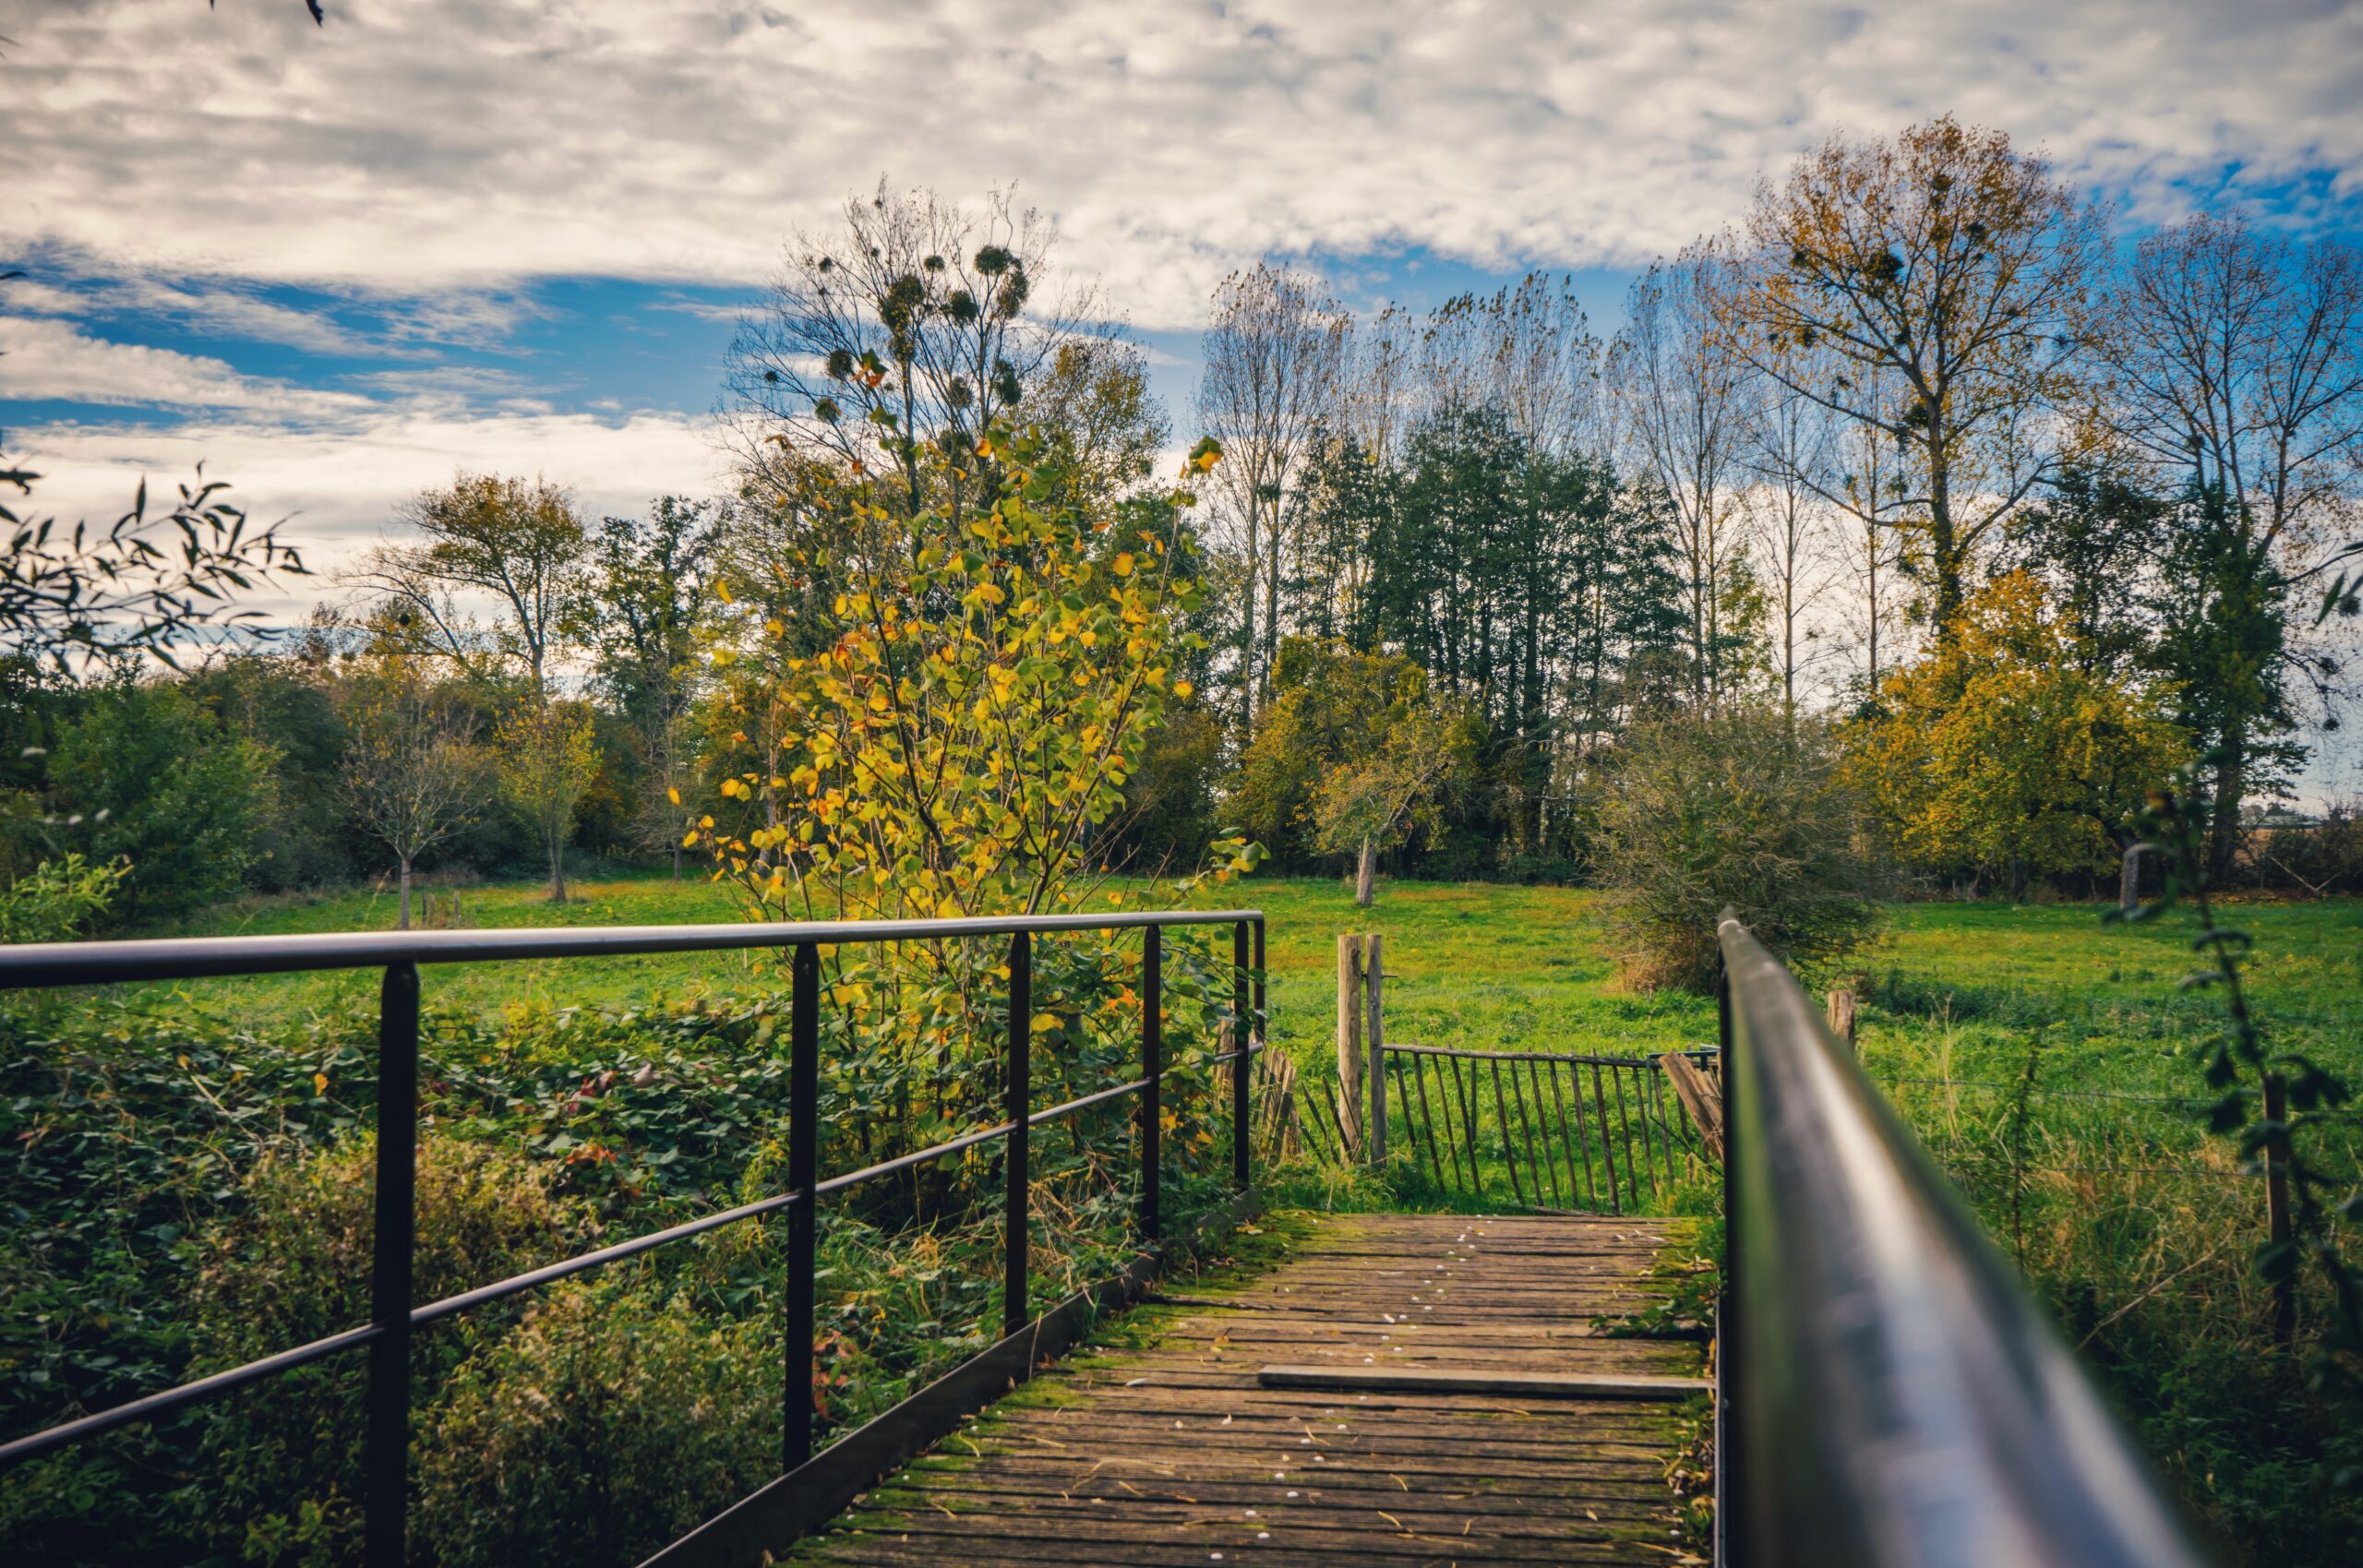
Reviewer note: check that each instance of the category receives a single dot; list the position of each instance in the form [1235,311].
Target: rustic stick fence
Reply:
[1547,1131]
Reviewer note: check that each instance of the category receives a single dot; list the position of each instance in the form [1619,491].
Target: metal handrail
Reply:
[1888,1391]
[394,1313]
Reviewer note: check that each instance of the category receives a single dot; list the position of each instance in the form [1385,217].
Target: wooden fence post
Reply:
[1373,982]
[2277,1211]
[1350,1042]
[1842,1017]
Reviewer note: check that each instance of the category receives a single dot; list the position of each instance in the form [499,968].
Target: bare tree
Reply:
[1529,352]
[2237,362]
[518,541]
[1275,353]
[1792,448]
[1683,414]
[412,770]
[1959,266]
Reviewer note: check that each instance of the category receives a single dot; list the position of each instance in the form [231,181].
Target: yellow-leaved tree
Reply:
[2005,753]
[945,730]
[958,727]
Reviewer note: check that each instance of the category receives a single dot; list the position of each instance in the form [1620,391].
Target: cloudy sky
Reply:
[336,263]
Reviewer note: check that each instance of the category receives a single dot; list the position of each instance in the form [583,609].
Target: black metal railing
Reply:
[1888,1391]
[394,1316]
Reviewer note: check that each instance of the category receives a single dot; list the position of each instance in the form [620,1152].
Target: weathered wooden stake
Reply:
[1373,982]
[2276,1211]
[1350,1042]
[1842,1017]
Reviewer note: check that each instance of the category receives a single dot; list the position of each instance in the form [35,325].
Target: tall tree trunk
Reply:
[1247,633]
[1366,876]
[401,921]
[2231,784]
[558,870]
[1272,597]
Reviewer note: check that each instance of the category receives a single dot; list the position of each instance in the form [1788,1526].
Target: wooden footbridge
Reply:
[1445,1389]
[1392,1389]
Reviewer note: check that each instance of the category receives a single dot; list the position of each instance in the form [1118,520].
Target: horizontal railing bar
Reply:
[39,965]
[551,1274]
[165,1401]
[1468,1054]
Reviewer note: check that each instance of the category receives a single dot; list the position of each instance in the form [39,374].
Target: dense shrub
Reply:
[153,777]
[60,899]
[612,1420]
[184,1195]
[294,1266]
[1736,809]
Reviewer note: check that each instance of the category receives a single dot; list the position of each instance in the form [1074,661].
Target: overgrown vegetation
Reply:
[1739,809]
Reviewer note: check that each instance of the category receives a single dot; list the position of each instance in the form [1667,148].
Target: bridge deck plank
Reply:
[1172,1453]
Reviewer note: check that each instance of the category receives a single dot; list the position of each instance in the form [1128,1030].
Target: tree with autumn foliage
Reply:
[2007,752]
[981,694]
[950,740]
[1941,290]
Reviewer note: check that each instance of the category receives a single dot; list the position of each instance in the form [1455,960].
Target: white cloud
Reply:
[418,145]
[44,358]
[335,483]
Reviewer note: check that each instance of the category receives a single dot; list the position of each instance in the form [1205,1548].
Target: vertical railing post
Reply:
[1021,1109]
[1153,1071]
[1242,1037]
[803,1217]
[1374,1036]
[1261,1020]
[386,1454]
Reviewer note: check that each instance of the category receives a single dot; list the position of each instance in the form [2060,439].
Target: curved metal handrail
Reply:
[1895,1395]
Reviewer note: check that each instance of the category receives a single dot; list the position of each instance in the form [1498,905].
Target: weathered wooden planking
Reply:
[1471,1438]
[1507,1385]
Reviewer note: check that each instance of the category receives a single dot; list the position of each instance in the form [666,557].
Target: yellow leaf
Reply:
[1183,689]
[672,795]
[1122,566]
[1044,1023]
[723,588]
[689,840]
[775,627]
[319,1083]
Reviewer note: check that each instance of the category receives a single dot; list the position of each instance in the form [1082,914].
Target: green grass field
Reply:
[1958,987]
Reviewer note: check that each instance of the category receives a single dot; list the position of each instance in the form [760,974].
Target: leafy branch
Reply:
[135,587]
[2267,1100]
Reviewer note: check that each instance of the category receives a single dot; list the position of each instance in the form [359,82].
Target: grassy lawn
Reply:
[1513,966]
[1960,990]
[1963,990]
